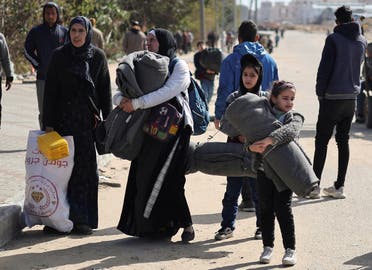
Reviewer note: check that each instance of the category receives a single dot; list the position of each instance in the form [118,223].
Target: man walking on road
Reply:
[6,65]
[229,82]
[134,39]
[39,45]
[337,86]
[97,37]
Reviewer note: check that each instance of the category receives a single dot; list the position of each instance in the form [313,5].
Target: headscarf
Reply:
[82,55]
[249,60]
[167,43]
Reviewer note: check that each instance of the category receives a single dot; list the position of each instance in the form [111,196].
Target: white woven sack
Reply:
[46,186]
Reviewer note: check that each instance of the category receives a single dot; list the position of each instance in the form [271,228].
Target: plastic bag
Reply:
[46,186]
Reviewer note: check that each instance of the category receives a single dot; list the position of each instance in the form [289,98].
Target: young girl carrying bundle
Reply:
[272,202]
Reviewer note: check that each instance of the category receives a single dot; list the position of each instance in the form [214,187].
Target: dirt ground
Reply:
[331,234]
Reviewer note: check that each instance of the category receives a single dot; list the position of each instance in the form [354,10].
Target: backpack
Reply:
[211,58]
[197,102]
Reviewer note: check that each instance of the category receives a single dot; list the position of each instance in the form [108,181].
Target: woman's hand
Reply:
[126,105]
[260,146]
[49,129]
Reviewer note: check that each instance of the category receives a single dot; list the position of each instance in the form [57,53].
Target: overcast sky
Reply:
[247,2]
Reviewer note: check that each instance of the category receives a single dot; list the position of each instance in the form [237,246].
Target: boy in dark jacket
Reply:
[337,86]
[40,43]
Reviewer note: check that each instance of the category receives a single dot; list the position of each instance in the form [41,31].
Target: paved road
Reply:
[331,234]
[20,115]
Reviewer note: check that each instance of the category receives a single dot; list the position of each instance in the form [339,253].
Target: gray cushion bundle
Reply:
[286,164]
[219,158]
[138,74]
[141,72]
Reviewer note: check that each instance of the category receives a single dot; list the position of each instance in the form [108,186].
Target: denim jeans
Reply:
[230,201]
[339,114]
[208,87]
[275,204]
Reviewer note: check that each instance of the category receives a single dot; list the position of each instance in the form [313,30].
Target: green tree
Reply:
[17,17]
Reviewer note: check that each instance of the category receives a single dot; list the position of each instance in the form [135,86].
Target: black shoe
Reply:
[82,229]
[50,230]
[187,236]
[359,120]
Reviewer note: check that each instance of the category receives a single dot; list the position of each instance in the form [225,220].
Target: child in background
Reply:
[273,203]
[250,81]
[365,85]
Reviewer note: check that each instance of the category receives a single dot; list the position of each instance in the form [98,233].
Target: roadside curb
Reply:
[10,225]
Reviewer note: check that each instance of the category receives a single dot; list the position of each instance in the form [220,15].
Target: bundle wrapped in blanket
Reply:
[219,158]
[139,73]
[286,164]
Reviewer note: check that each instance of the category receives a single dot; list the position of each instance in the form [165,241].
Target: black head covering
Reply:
[85,22]
[249,60]
[167,43]
[82,55]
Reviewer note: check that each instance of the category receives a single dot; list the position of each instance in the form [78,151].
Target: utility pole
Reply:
[202,24]
[234,15]
[255,12]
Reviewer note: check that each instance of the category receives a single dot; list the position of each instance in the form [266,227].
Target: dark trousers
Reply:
[361,97]
[339,114]
[273,203]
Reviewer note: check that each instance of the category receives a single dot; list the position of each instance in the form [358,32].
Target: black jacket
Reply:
[339,69]
[66,92]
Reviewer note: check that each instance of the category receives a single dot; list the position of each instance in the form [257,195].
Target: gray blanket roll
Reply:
[139,73]
[219,158]
[252,117]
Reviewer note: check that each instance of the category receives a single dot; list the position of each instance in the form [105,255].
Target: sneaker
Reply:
[246,206]
[289,257]
[223,233]
[315,193]
[266,255]
[258,234]
[335,193]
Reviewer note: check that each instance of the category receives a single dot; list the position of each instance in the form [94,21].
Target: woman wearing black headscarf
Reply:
[161,215]
[77,89]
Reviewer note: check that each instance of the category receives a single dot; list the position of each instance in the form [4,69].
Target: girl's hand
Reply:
[260,146]
[126,105]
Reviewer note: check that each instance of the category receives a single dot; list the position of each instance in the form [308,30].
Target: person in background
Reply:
[97,38]
[212,39]
[250,82]
[229,82]
[337,86]
[39,45]
[205,76]
[77,91]
[6,66]
[134,40]
[366,84]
